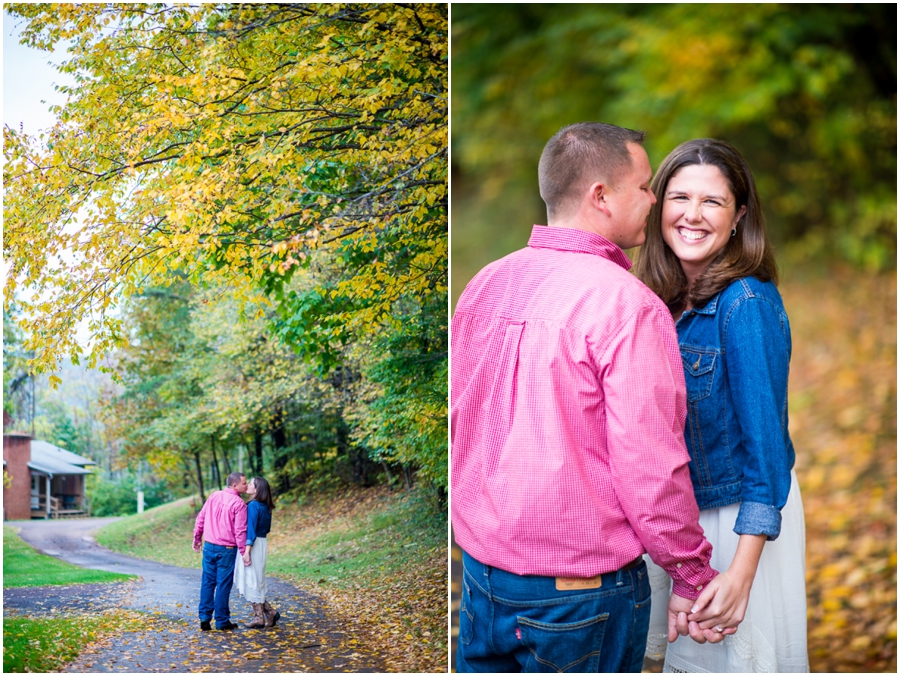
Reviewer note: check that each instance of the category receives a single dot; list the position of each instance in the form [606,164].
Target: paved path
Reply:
[304,640]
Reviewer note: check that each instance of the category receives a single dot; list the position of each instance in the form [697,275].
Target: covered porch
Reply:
[57,483]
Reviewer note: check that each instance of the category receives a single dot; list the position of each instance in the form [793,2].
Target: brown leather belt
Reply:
[633,564]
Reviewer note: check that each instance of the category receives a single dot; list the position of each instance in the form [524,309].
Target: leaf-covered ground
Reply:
[843,421]
[377,557]
[843,412]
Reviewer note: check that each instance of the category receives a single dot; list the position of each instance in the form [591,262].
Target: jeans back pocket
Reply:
[563,647]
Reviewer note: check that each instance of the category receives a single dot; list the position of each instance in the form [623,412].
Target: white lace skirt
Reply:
[772,637]
[250,580]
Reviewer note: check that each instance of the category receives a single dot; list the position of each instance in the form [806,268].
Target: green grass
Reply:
[47,644]
[164,534]
[24,566]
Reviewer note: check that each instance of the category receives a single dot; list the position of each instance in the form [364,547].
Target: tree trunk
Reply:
[387,470]
[212,441]
[199,476]
[407,476]
[279,441]
[258,443]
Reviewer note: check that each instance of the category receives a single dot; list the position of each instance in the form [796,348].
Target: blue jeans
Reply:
[510,623]
[216,582]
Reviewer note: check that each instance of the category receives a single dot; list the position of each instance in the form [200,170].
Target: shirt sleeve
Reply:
[252,521]
[198,525]
[240,526]
[646,408]
[757,344]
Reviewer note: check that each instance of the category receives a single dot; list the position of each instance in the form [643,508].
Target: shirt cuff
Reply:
[755,518]
[690,585]
[250,542]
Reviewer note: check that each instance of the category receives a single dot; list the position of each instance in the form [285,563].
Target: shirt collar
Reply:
[579,241]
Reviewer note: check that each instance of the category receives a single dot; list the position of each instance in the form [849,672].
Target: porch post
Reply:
[47,485]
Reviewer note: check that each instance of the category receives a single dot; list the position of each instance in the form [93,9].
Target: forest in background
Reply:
[245,207]
[807,93]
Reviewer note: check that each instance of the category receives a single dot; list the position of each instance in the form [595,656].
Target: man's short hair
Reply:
[234,478]
[579,155]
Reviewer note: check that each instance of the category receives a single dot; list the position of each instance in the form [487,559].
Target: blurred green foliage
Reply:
[806,92]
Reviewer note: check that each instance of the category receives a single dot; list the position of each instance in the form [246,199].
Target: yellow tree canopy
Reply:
[229,142]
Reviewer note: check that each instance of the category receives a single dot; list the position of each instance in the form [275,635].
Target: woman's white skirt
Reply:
[251,580]
[772,637]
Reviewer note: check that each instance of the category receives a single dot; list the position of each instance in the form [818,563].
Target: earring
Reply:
[734,231]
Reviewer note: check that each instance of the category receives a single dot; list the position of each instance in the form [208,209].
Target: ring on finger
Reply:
[719,628]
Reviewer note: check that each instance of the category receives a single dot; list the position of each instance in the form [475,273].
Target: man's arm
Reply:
[198,528]
[240,527]
[646,408]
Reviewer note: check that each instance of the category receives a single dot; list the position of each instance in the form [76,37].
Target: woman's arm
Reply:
[757,344]
[724,601]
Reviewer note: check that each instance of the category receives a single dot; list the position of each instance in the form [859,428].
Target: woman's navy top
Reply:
[259,521]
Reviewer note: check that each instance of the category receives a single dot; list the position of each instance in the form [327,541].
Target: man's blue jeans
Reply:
[510,623]
[216,582]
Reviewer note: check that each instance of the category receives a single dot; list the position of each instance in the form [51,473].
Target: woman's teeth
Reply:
[692,234]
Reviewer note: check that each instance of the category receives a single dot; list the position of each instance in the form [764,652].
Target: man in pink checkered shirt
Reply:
[568,405]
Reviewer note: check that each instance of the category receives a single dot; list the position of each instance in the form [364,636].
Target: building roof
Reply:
[52,460]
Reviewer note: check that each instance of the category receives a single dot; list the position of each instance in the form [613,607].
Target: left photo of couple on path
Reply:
[225,338]
[449,338]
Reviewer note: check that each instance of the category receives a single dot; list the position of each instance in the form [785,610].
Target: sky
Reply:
[28,79]
[28,93]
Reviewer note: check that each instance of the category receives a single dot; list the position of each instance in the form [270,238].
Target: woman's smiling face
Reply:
[698,215]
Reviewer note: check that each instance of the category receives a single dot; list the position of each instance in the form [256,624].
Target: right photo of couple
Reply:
[624,496]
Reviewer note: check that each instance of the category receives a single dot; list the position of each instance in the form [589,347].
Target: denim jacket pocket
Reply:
[699,369]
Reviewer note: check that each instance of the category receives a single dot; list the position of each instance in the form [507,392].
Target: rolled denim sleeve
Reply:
[758,349]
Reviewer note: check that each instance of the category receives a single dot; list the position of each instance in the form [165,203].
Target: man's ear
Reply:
[597,194]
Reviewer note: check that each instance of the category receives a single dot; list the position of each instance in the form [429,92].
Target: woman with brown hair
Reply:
[707,256]
[250,577]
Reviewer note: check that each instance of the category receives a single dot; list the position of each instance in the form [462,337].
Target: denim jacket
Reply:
[735,351]
[259,521]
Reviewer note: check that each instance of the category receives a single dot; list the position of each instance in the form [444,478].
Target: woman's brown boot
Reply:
[272,615]
[258,620]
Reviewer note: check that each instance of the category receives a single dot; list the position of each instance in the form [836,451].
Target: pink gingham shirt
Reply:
[567,418]
[223,520]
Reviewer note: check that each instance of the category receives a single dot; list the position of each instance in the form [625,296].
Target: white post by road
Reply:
[140,502]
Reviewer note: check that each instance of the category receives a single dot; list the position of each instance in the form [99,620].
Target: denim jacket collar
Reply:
[710,307]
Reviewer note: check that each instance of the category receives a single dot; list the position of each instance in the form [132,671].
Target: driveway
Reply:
[305,639]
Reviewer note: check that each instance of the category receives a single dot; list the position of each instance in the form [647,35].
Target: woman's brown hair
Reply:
[747,254]
[263,492]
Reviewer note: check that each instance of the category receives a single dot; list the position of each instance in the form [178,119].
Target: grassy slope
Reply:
[377,556]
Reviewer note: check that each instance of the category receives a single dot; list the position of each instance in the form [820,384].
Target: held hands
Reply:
[723,603]
[246,557]
[680,623]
